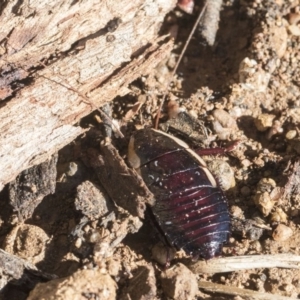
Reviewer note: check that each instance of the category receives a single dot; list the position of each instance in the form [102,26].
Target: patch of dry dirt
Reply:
[246,88]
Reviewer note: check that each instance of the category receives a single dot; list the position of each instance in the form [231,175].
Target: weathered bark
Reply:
[17,271]
[31,186]
[92,50]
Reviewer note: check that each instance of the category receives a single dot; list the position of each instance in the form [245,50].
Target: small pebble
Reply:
[72,169]
[245,191]
[254,233]
[78,243]
[266,184]
[279,216]
[163,254]
[83,284]
[291,134]
[288,287]
[224,118]
[264,202]
[246,162]
[294,30]
[94,237]
[293,18]
[179,282]
[113,267]
[275,129]
[256,245]
[224,124]
[86,228]
[222,172]
[258,161]
[252,76]
[231,240]
[237,212]
[282,233]
[264,121]
[246,69]
[279,37]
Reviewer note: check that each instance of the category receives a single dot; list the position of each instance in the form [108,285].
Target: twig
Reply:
[245,294]
[178,62]
[210,24]
[236,263]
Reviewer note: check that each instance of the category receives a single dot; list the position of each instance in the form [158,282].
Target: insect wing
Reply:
[190,208]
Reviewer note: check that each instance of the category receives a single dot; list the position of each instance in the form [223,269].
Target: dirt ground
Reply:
[60,216]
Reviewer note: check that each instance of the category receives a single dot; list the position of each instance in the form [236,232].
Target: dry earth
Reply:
[246,88]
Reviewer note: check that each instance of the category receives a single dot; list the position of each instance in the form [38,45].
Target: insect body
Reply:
[190,207]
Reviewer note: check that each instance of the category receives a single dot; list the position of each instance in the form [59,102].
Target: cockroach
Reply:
[191,209]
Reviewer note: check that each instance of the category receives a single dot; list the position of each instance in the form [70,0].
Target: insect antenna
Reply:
[178,62]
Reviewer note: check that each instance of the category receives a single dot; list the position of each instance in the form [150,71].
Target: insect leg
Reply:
[217,150]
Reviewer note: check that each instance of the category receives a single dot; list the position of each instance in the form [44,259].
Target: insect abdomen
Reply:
[190,208]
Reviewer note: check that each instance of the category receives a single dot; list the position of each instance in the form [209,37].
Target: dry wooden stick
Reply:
[55,129]
[41,116]
[236,263]
[234,291]
[210,23]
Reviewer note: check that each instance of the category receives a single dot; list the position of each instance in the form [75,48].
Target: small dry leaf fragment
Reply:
[282,233]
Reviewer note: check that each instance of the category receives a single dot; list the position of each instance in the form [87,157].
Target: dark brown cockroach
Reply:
[190,207]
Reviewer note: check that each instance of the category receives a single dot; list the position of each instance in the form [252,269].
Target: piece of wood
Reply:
[132,194]
[246,262]
[242,293]
[17,271]
[31,186]
[96,47]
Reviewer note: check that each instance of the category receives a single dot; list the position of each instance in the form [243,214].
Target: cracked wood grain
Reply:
[39,117]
